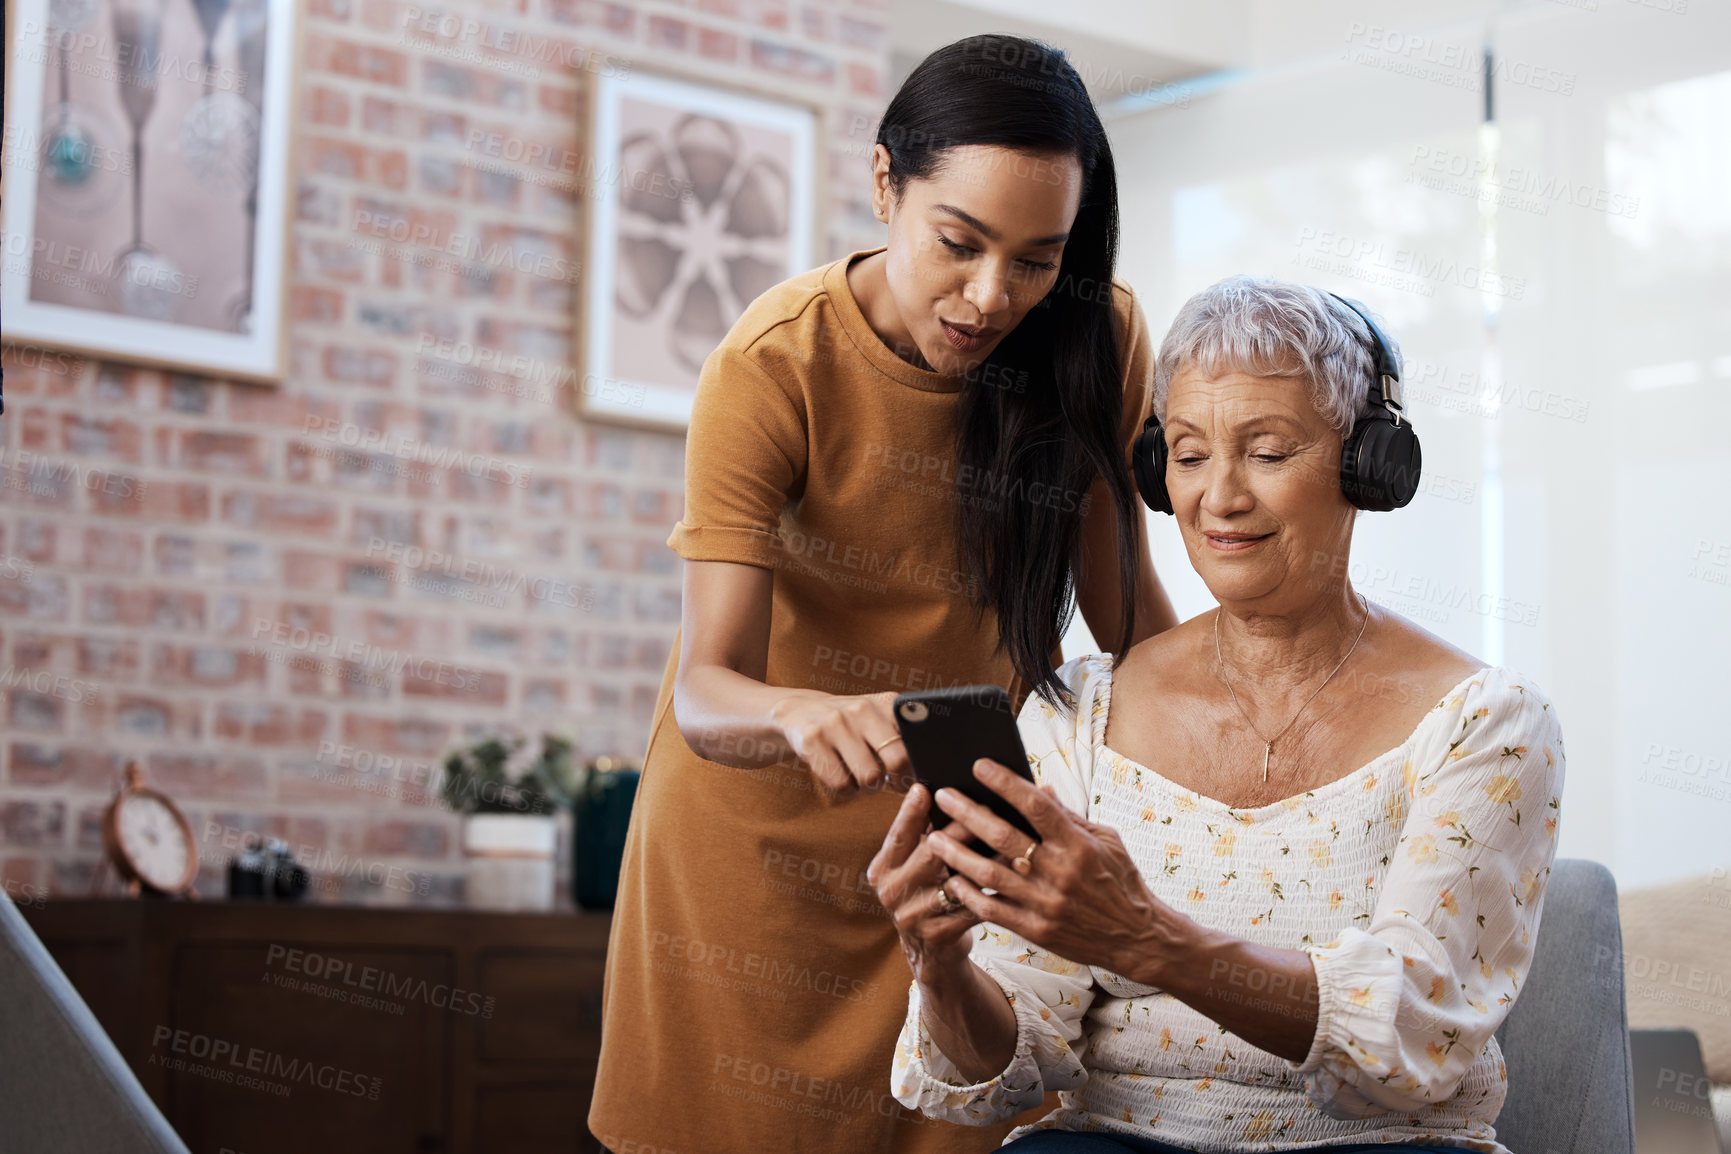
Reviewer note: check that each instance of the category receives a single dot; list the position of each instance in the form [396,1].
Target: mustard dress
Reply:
[755,987]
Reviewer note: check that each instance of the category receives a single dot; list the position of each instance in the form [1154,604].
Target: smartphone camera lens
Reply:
[913,710]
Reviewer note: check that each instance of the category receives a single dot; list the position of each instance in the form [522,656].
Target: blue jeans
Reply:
[1077,1142]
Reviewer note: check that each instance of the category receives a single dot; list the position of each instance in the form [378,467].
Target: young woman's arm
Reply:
[1097,572]
[727,714]
[1097,578]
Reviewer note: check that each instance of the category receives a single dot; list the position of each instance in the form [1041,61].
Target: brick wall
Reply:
[289,631]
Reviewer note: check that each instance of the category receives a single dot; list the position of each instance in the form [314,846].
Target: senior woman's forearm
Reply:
[1265,995]
[970,1021]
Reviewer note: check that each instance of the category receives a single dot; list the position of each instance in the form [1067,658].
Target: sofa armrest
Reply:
[66,1088]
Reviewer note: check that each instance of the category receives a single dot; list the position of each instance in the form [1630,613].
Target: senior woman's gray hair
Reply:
[1273,328]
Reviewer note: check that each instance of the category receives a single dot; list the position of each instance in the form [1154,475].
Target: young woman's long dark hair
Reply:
[1061,431]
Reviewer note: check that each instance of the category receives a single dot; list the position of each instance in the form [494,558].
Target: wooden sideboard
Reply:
[264,1028]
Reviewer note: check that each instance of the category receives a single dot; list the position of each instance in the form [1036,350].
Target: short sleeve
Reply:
[1407,1003]
[745,457]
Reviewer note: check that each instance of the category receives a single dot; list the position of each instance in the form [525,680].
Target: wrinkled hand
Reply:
[1082,898]
[906,874]
[850,743]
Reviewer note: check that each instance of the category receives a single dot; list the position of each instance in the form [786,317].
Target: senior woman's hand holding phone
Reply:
[1075,893]
[1081,896]
[969,1019]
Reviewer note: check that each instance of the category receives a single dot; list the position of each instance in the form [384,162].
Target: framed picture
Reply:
[146,186]
[703,198]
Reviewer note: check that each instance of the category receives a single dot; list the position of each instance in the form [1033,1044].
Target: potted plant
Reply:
[509,792]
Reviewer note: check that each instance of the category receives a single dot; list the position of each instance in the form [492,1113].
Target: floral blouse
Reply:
[1414,883]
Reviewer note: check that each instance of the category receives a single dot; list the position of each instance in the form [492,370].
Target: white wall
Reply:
[1629,308]
[1570,490]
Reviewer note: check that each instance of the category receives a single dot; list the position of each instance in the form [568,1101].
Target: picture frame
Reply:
[703,197]
[146,188]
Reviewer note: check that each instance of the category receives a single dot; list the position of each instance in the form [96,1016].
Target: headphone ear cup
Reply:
[1148,462]
[1380,463]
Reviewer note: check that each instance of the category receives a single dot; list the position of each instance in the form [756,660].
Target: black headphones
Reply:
[1379,463]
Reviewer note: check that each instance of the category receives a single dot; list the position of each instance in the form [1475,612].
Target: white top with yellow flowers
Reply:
[1414,883]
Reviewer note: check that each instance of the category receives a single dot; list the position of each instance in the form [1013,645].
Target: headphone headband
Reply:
[1385,375]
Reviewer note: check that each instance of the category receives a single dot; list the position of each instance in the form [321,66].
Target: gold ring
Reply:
[887,744]
[946,903]
[1024,865]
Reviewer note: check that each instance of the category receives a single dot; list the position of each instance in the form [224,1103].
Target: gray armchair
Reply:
[1566,1042]
[65,1088]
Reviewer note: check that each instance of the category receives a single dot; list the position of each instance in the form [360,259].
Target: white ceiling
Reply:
[1125,46]
[1117,46]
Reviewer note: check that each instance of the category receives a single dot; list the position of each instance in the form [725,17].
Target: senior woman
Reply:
[1292,852]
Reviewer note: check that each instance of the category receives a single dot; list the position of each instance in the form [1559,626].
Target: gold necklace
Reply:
[1268,742]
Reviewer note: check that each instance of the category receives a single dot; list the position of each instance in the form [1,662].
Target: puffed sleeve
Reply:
[745,457]
[1407,1003]
[1048,994]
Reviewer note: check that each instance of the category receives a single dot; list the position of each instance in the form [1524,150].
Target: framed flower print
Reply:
[703,198]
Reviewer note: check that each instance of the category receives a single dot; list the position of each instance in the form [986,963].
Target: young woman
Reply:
[901,467]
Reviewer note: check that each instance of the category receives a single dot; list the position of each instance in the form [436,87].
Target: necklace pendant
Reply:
[1267,752]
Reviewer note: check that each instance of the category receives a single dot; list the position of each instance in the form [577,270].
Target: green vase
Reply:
[601,814]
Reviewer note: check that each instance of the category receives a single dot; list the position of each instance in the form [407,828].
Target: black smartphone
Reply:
[947,730]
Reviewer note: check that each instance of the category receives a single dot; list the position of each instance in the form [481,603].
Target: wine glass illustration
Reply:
[79,170]
[148,280]
[210,14]
[215,132]
[219,133]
